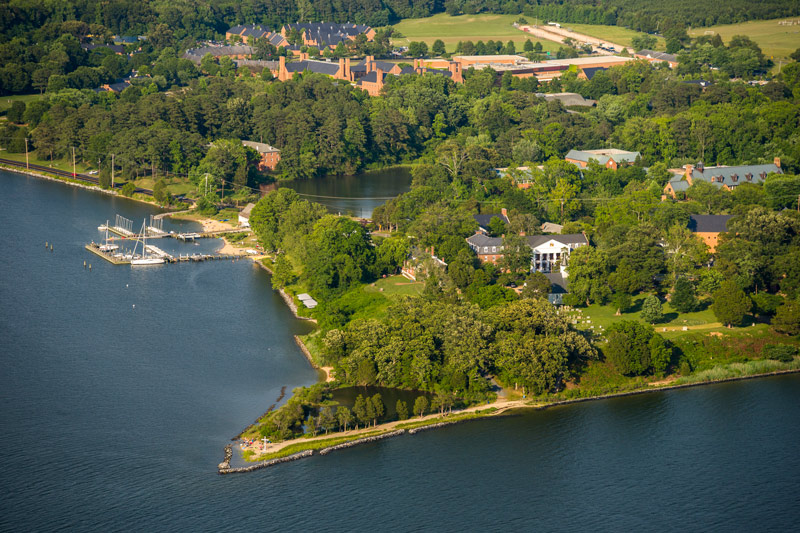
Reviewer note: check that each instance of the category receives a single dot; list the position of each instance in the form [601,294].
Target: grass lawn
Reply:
[615,34]
[465,28]
[5,101]
[177,186]
[395,286]
[774,39]
[702,321]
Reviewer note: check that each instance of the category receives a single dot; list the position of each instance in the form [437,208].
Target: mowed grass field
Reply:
[465,28]
[615,34]
[775,40]
[5,101]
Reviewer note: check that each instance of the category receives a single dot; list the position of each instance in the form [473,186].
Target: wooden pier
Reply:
[95,249]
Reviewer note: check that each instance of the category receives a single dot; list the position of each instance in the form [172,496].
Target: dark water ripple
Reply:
[114,418]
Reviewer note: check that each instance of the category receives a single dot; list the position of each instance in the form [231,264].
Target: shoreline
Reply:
[498,408]
[75,183]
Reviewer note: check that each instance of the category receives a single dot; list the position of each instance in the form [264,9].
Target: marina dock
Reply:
[123,229]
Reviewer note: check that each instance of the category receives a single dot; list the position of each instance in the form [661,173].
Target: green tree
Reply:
[588,276]
[651,309]
[282,272]
[16,111]
[536,286]
[516,254]
[528,46]
[365,375]
[787,318]
[631,348]
[402,409]
[128,189]
[683,297]
[327,420]
[731,304]
[161,193]
[644,42]
[360,411]
[622,301]
[344,416]
[378,408]
[438,47]
[420,405]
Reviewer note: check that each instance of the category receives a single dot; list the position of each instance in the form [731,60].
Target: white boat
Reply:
[144,260]
[107,247]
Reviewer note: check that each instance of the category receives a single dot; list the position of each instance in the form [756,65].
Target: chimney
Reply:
[700,166]
[689,170]
[370,60]
[777,162]
[282,74]
[347,72]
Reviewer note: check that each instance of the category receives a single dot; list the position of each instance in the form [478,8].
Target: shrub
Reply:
[780,352]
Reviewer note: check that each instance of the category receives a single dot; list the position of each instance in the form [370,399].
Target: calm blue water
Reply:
[355,195]
[114,417]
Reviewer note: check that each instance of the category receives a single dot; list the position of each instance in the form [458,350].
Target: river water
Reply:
[113,417]
[355,195]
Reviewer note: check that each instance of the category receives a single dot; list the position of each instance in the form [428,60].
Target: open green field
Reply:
[775,40]
[615,34]
[395,286]
[5,101]
[703,321]
[465,28]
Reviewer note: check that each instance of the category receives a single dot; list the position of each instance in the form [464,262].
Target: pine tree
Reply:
[730,304]
[402,409]
[651,309]
[683,298]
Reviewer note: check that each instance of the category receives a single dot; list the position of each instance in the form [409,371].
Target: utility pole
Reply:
[74,174]
[206,184]
[112,172]
[222,197]
[27,165]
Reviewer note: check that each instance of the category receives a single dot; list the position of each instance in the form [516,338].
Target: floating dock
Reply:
[111,258]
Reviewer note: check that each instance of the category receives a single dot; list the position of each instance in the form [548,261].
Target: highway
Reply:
[94,180]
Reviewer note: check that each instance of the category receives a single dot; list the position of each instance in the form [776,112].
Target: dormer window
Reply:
[713,179]
[763,175]
[749,176]
[735,178]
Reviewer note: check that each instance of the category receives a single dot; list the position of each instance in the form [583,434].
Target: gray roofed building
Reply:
[721,177]
[608,157]
[327,33]
[534,241]
[558,287]
[590,72]
[568,99]
[652,55]
[116,48]
[709,223]
[551,227]
[261,148]
[320,67]
[485,220]
[480,240]
[195,55]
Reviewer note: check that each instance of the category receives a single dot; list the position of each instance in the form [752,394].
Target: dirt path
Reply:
[501,407]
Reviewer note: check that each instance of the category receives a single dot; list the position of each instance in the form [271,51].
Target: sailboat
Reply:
[144,260]
[107,247]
